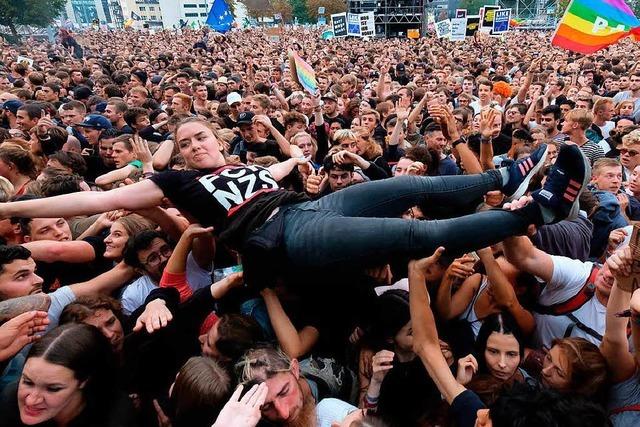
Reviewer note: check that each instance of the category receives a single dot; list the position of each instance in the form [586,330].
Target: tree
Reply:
[562,6]
[283,7]
[300,10]
[37,13]
[331,7]
[259,8]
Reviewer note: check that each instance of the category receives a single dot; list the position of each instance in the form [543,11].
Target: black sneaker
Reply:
[559,197]
[521,172]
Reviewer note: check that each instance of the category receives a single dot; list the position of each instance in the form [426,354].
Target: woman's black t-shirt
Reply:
[234,199]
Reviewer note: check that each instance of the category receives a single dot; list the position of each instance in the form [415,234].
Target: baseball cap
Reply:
[95,121]
[245,118]
[222,80]
[12,105]
[233,98]
[400,67]
[330,96]
[81,92]
[100,107]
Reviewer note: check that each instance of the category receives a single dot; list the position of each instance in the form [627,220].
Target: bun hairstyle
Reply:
[17,153]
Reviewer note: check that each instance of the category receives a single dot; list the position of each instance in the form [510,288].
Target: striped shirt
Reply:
[592,151]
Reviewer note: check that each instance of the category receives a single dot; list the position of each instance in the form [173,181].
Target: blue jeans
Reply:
[361,226]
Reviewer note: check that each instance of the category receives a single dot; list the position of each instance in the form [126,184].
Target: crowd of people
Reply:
[441,235]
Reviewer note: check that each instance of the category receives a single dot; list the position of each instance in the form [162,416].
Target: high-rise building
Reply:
[88,12]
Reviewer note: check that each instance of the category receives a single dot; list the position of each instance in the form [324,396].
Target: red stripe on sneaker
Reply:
[572,191]
[529,162]
[523,171]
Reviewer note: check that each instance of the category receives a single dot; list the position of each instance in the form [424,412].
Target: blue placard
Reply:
[501,21]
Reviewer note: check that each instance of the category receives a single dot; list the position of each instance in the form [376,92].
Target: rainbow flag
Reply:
[302,73]
[590,25]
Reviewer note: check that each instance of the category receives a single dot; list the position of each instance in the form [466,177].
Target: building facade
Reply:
[179,13]
[89,12]
[147,11]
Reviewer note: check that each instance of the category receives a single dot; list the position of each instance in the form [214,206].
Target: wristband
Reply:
[459,141]
[370,401]
[147,175]
[485,140]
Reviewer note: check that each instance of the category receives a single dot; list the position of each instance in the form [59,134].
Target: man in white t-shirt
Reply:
[149,254]
[574,298]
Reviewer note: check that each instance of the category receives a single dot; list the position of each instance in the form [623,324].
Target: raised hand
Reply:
[155,317]
[487,118]
[382,363]
[244,412]
[422,265]
[20,331]
[141,149]
[467,368]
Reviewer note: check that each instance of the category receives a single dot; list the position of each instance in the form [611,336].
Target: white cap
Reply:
[233,97]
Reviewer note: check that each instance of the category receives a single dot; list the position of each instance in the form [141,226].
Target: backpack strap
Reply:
[624,409]
[577,323]
[576,301]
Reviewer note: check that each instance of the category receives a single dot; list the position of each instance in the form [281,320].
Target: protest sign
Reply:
[461,13]
[367,24]
[473,23]
[501,21]
[413,33]
[443,28]
[458,29]
[25,60]
[353,24]
[339,24]
[486,17]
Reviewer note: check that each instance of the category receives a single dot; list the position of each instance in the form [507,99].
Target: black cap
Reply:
[245,118]
[141,75]
[82,92]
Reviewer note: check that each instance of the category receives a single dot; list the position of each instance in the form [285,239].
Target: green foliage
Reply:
[562,6]
[473,6]
[299,8]
[38,13]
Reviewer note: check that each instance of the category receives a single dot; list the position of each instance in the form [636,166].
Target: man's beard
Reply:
[307,415]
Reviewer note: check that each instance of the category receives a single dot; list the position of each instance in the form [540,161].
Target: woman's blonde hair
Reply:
[632,138]
[372,149]
[297,136]
[342,134]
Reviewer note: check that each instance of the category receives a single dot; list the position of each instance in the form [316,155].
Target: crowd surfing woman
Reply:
[276,227]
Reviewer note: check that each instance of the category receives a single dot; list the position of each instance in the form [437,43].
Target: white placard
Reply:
[443,28]
[458,29]
[367,25]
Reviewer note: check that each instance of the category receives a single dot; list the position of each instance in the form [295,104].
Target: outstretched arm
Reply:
[293,342]
[504,293]
[615,345]
[520,252]
[425,335]
[144,194]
